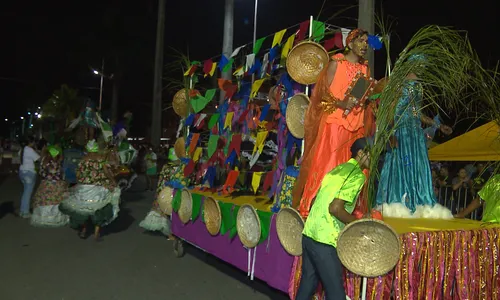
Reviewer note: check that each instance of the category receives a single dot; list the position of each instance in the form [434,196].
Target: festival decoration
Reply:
[295,113]
[305,61]
[289,227]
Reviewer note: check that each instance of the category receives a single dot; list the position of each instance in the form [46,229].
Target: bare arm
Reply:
[338,211]
[475,204]
[330,73]
[426,120]
[457,185]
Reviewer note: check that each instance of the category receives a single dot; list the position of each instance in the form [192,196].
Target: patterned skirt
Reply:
[46,204]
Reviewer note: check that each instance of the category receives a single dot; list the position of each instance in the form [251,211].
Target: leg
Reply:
[97,235]
[309,279]
[329,268]
[29,180]
[83,232]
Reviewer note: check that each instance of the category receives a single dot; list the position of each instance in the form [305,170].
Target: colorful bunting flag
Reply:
[278,36]
[329,44]
[237,50]
[250,62]
[288,46]
[229,120]
[258,45]
[318,32]
[303,30]
[228,66]
[212,71]
[207,66]
[223,62]
[199,102]
[213,120]
[345,33]
[259,142]
[239,72]
[197,154]
[212,144]
[256,177]
[256,87]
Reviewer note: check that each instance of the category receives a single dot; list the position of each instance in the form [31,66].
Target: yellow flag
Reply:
[239,72]
[187,72]
[256,181]
[229,120]
[278,36]
[288,46]
[256,87]
[197,154]
[214,67]
[259,141]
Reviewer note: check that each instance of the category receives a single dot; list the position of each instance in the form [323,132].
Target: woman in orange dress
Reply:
[329,134]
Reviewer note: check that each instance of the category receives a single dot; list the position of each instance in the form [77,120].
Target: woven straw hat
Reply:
[289,225]
[181,103]
[248,226]
[164,199]
[186,207]
[305,61]
[212,215]
[368,247]
[295,114]
[180,147]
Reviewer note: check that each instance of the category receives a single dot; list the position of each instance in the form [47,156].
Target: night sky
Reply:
[49,43]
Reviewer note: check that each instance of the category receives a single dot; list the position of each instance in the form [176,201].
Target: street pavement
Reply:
[54,264]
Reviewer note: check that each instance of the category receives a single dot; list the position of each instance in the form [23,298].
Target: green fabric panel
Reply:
[176,203]
[265,222]
[196,206]
[234,230]
[227,218]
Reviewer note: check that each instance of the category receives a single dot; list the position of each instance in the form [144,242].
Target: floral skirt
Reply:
[46,204]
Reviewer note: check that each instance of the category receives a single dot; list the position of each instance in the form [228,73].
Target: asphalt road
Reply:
[54,264]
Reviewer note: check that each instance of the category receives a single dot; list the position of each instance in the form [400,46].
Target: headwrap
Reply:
[92,146]
[171,155]
[54,151]
[354,34]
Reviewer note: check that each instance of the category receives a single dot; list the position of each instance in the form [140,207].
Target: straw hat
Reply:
[180,147]
[289,225]
[165,198]
[368,247]
[305,61]
[248,226]
[180,103]
[212,215]
[186,207]
[295,114]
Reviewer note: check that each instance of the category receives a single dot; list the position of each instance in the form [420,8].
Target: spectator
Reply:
[151,170]
[481,176]
[462,190]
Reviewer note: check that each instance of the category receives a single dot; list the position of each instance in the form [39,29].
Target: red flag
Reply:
[235,144]
[338,40]
[268,181]
[329,44]
[207,66]
[303,30]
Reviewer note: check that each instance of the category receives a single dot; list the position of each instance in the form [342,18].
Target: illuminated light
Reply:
[95,72]
[39,107]
[22,118]
[6,120]
[29,113]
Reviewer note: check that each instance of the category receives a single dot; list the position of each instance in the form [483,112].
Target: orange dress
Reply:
[328,137]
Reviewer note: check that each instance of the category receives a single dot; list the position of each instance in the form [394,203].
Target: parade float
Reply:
[230,195]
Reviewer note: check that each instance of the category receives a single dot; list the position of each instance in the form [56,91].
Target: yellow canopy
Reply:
[480,144]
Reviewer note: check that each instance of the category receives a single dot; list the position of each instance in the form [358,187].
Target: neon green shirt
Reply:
[490,193]
[344,182]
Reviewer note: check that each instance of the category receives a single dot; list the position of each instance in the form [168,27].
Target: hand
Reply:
[446,129]
[350,103]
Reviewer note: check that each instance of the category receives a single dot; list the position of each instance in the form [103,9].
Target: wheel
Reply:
[179,248]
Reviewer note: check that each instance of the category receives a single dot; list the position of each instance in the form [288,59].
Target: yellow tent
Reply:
[480,144]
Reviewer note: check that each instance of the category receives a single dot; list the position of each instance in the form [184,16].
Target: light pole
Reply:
[22,128]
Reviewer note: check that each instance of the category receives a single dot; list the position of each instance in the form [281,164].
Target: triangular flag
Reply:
[258,45]
[257,176]
[207,66]
[318,30]
[212,144]
[303,29]
[288,46]
[259,141]
[329,44]
[250,62]
[214,67]
[228,66]
[256,87]
[345,33]
[265,64]
[239,72]
[278,36]
[229,120]
[236,51]
[209,94]
[199,102]
[194,142]
[197,154]
[199,120]
[223,62]
[213,120]
[338,40]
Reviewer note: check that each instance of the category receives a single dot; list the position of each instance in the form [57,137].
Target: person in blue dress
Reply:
[406,175]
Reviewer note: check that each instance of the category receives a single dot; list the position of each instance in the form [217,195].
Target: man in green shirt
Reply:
[330,212]
[490,196]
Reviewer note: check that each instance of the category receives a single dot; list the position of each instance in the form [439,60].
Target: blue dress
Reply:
[406,174]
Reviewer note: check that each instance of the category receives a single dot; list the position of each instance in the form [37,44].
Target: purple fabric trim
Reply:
[273,267]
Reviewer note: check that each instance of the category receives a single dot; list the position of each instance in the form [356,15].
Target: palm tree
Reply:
[64,104]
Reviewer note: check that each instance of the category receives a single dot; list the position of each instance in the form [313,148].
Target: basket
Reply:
[295,114]
[306,61]
[165,198]
[180,103]
[368,247]
[180,147]
[186,206]
[289,226]
[212,215]
[248,226]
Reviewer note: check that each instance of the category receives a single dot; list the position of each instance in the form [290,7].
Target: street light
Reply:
[6,120]
[22,118]
[101,73]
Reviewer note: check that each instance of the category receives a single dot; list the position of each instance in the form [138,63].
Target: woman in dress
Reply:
[27,174]
[51,191]
[156,219]
[95,199]
[406,175]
